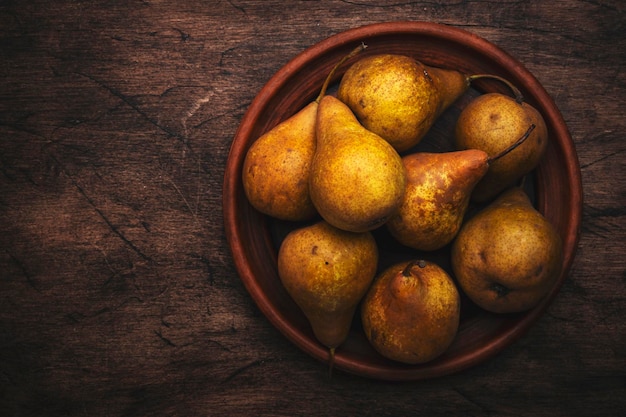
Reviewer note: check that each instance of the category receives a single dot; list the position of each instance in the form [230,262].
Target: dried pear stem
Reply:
[407,269]
[517,143]
[355,51]
[519,97]
[331,361]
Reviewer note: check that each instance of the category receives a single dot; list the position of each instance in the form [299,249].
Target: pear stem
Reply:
[517,143]
[519,97]
[331,361]
[407,269]
[355,51]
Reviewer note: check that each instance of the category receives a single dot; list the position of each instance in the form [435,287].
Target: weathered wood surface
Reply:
[118,295]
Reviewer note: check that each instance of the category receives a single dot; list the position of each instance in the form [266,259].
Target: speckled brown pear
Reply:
[357,179]
[399,98]
[412,311]
[327,271]
[493,121]
[508,256]
[277,165]
[438,192]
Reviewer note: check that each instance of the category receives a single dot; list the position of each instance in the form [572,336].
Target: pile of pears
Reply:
[346,165]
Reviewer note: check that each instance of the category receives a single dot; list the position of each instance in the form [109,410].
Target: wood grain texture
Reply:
[118,295]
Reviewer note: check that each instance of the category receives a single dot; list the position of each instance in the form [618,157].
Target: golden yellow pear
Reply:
[412,311]
[276,168]
[492,122]
[398,97]
[327,271]
[508,256]
[357,180]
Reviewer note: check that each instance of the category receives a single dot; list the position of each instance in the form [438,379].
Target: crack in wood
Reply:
[126,100]
[108,222]
[610,155]
[27,275]
[240,8]
[164,339]
[243,369]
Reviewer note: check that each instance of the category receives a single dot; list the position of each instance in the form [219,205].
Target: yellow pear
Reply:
[276,167]
[508,256]
[357,180]
[327,271]
[412,311]
[398,97]
[492,122]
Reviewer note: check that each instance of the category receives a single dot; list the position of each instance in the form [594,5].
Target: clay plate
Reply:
[555,188]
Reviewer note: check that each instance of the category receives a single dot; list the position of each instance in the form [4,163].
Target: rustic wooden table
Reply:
[118,294]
